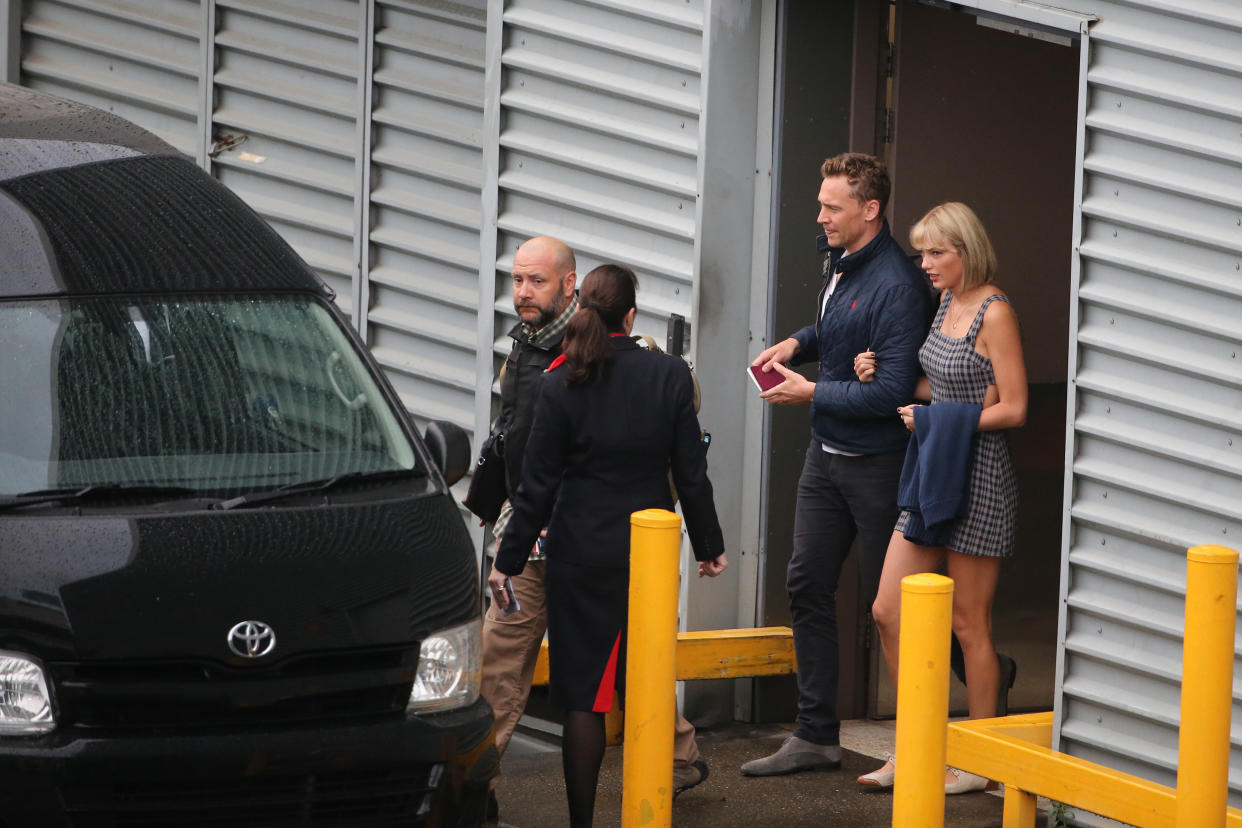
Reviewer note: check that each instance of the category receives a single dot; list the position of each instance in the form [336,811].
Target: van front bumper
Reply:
[426,770]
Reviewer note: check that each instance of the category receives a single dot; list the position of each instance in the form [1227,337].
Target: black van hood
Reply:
[172,586]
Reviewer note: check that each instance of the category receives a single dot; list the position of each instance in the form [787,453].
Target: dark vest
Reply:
[526,361]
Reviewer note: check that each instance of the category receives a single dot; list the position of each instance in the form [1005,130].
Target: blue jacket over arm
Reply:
[935,480]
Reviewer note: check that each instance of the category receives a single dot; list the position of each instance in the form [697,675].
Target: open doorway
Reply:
[987,116]
[980,115]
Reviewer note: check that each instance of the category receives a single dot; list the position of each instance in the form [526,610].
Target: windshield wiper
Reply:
[290,489]
[77,493]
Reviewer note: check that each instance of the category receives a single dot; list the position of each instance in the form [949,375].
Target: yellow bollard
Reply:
[614,722]
[922,700]
[1207,686]
[650,671]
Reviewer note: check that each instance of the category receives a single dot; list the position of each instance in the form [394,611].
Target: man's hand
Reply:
[778,354]
[710,569]
[795,390]
[496,583]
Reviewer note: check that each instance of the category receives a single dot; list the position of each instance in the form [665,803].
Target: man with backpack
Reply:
[544,280]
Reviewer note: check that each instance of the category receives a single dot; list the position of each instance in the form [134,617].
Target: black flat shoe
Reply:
[1008,673]
[957,661]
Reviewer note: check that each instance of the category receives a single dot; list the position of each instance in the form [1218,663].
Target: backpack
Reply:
[645,341]
[650,344]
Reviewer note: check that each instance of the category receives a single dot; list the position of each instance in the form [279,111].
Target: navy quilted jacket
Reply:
[883,303]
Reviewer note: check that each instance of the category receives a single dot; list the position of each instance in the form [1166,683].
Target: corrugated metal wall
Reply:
[1157,386]
[286,77]
[139,60]
[599,143]
[424,213]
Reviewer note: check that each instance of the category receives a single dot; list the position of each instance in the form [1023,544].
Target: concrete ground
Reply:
[531,791]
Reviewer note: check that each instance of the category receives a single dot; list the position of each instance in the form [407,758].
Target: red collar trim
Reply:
[560,359]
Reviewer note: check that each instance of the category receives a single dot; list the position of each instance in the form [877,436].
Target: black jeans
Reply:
[838,497]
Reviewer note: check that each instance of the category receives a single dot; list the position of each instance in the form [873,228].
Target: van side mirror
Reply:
[450,448]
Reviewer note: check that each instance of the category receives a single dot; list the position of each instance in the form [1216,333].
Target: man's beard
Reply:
[546,314]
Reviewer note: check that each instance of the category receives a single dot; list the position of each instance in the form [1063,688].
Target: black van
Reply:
[234,586]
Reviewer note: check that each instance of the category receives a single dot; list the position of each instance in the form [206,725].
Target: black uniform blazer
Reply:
[596,453]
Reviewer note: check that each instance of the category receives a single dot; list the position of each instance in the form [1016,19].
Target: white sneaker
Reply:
[965,782]
[881,777]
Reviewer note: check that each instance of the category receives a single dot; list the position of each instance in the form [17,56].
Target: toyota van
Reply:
[234,586]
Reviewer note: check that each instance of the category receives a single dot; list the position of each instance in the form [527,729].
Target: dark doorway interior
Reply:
[988,117]
[815,59]
[982,116]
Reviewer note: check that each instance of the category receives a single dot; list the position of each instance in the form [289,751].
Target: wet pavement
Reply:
[531,792]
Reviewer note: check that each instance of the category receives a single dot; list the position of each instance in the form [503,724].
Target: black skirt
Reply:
[587,611]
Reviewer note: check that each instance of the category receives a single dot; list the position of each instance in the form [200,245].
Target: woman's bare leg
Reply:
[974,587]
[902,558]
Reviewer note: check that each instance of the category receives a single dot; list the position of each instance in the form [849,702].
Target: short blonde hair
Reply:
[956,225]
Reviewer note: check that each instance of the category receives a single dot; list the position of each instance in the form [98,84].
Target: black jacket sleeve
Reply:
[543,465]
[689,466]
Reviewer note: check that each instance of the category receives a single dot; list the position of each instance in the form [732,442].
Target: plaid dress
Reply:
[959,373]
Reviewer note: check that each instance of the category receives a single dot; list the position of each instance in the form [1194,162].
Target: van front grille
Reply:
[390,797]
[199,695]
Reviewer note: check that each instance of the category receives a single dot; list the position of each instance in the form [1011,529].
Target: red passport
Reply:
[765,381]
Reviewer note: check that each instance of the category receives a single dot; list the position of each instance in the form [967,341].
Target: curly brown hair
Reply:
[867,176]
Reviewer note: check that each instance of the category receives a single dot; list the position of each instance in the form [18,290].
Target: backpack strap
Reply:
[648,342]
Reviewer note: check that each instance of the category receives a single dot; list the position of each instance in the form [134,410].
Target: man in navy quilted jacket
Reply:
[873,299]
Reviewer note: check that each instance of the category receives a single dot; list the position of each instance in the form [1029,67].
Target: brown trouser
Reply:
[510,650]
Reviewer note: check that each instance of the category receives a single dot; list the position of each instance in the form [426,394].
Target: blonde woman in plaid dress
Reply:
[973,354]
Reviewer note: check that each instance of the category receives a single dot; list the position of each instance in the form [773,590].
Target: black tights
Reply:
[582,752]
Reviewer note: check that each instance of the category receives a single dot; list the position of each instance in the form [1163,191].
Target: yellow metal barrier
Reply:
[647,766]
[922,699]
[1207,686]
[664,656]
[1016,750]
[717,654]
[710,654]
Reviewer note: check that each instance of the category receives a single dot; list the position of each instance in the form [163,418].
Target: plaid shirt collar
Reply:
[554,328]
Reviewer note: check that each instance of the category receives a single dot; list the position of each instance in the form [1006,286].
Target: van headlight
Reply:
[449,669]
[25,704]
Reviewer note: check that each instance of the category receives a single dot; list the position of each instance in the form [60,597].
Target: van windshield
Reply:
[219,394]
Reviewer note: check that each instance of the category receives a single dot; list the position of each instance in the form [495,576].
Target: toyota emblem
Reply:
[252,639]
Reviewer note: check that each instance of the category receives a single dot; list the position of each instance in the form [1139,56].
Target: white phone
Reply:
[514,606]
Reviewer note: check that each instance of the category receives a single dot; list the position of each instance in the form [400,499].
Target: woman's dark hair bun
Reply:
[606,296]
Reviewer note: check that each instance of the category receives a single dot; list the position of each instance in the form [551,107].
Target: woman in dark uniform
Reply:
[611,420]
